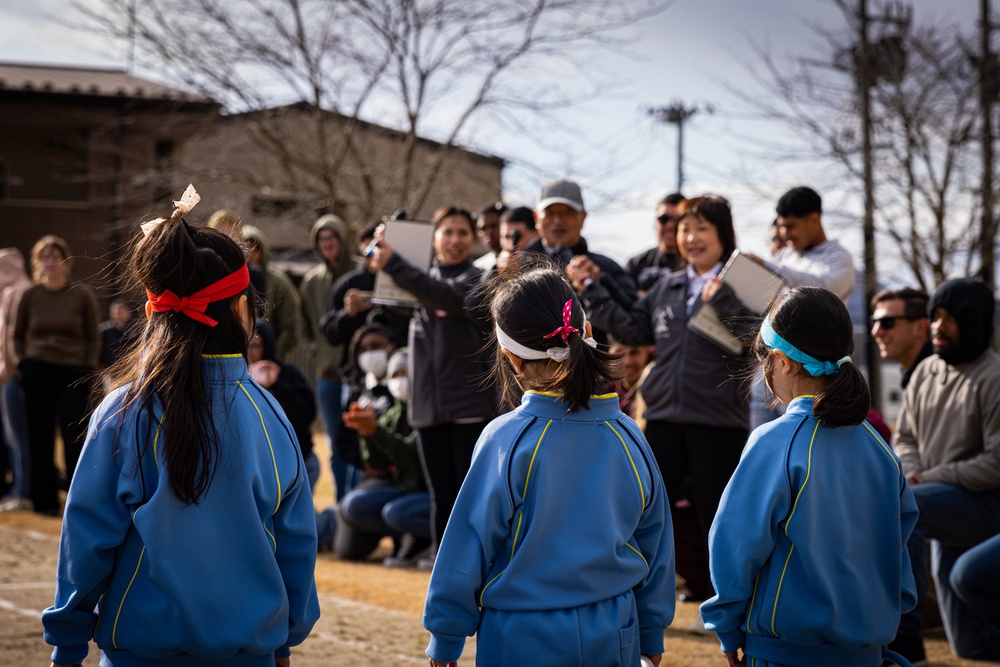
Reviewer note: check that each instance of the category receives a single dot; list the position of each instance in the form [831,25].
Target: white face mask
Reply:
[375,362]
[399,388]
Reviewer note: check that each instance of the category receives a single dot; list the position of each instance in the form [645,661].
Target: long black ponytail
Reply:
[166,362]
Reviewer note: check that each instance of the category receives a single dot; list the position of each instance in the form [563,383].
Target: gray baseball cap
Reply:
[561,191]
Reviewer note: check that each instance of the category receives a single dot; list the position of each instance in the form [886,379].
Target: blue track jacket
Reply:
[559,510]
[808,548]
[229,580]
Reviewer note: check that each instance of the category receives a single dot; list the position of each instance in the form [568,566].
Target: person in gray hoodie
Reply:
[331,243]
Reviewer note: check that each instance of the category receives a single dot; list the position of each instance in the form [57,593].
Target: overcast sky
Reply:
[690,53]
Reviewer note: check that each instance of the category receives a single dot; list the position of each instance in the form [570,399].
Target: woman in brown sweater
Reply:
[57,340]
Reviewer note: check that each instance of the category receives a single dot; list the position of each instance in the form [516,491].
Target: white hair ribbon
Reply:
[182,207]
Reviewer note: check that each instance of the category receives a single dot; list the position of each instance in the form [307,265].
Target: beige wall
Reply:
[231,165]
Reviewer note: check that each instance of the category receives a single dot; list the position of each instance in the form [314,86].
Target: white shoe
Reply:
[15,504]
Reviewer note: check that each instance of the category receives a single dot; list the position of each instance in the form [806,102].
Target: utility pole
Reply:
[677,114]
[865,81]
[987,91]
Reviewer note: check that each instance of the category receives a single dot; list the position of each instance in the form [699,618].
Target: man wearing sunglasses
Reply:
[949,447]
[647,267]
[900,326]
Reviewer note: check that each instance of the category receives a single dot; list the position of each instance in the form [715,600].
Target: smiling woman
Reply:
[448,405]
[696,414]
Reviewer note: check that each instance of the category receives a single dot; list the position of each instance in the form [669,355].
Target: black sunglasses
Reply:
[664,219]
[889,321]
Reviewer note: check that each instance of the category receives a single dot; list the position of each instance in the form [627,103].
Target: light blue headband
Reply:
[813,366]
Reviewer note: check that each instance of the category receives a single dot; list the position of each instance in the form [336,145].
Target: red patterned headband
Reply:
[194,305]
[566,329]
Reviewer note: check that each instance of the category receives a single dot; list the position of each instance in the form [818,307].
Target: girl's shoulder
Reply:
[779,432]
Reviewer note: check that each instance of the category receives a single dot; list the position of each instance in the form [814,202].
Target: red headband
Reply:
[194,306]
[566,329]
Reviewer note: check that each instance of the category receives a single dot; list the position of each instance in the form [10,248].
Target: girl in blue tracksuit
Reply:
[189,536]
[808,549]
[559,550]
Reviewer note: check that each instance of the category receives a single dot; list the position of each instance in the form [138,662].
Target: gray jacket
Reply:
[694,380]
[448,365]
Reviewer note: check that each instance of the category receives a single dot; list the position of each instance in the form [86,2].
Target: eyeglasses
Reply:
[889,321]
[664,219]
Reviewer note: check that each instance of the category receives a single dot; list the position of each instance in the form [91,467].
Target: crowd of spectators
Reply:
[403,392]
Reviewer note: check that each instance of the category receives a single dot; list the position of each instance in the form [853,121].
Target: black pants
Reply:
[53,393]
[445,455]
[698,460]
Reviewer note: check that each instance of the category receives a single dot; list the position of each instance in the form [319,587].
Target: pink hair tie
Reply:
[566,329]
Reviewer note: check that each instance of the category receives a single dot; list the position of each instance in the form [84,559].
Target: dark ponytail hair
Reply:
[816,322]
[166,363]
[528,307]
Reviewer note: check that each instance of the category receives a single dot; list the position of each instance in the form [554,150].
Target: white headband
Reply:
[554,353]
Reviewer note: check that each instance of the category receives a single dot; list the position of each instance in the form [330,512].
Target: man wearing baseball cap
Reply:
[559,216]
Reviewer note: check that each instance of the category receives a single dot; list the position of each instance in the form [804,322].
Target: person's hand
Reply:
[732,659]
[654,658]
[711,288]
[382,252]
[581,269]
[435,663]
[507,262]
[361,419]
[282,662]
[356,301]
[915,478]
[265,372]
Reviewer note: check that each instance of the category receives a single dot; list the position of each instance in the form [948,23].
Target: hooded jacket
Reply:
[13,281]
[315,291]
[283,310]
[949,424]
[970,303]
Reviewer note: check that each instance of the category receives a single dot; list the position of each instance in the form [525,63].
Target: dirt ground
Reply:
[370,614]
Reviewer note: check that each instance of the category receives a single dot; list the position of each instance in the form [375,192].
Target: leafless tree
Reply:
[344,69]
[925,119]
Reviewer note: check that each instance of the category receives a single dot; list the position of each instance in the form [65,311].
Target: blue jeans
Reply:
[382,508]
[329,397]
[409,513]
[954,520]
[976,579]
[16,434]
[312,469]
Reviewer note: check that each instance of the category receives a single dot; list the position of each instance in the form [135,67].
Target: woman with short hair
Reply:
[57,340]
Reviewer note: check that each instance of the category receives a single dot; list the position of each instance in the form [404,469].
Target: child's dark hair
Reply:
[799,202]
[816,322]
[167,361]
[529,307]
